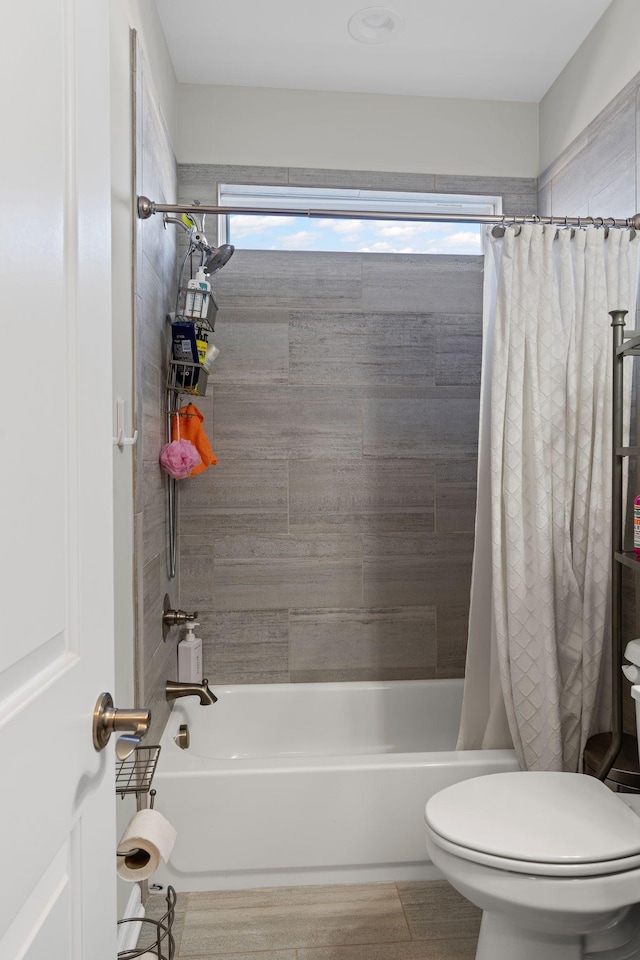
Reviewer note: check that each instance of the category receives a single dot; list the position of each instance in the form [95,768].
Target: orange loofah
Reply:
[190,428]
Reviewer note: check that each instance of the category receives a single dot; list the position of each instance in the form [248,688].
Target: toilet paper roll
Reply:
[147,838]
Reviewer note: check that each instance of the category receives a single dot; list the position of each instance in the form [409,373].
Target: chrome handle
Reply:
[134,724]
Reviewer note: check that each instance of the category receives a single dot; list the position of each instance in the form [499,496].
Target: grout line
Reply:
[289,645]
[404,913]
[309,947]
[435,500]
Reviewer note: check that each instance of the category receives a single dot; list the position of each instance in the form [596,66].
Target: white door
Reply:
[57,798]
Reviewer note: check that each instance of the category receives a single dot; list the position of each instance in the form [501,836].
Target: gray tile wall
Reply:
[597,176]
[333,541]
[155,267]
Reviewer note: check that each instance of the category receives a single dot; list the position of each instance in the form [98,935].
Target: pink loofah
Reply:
[179,458]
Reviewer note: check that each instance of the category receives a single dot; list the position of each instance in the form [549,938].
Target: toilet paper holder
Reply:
[132,853]
[163,945]
[135,775]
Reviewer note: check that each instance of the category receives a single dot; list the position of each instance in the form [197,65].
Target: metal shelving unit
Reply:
[603,761]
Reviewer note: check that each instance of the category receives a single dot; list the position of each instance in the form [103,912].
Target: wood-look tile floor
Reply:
[379,921]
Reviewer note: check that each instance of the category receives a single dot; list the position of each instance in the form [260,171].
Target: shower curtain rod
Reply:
[147,208]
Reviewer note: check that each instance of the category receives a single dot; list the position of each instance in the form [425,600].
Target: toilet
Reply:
[552,859]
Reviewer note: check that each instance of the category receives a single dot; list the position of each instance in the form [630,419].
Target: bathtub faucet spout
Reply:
[175,689]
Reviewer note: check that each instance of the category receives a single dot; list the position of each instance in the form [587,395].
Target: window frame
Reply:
[300,199]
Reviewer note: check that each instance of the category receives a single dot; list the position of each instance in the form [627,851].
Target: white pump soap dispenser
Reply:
[197,300]
[190,657]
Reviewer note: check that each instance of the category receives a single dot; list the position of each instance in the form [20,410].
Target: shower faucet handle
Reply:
[178,618]
[174,618]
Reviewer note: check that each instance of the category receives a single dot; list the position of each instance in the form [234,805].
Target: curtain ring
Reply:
[598,222]
[498,229]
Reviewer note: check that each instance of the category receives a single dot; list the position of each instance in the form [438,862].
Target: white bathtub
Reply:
[310,782]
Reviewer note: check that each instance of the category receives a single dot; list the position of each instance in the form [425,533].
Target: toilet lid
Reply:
[562,818]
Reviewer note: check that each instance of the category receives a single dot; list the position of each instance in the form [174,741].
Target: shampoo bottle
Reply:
[190,657]
[636,527]
[197,300]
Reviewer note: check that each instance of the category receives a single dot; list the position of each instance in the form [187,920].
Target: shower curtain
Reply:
[538,624]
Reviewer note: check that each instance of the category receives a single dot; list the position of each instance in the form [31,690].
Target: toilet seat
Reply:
[536,869]
[541,824]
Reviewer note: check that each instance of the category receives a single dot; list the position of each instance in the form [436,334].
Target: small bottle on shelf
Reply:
[636,527]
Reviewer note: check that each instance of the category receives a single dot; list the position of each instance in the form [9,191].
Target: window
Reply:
[353,235]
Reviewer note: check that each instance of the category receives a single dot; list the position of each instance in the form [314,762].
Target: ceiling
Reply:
[479,49]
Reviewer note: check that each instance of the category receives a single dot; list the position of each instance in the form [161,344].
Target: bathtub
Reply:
[310,783]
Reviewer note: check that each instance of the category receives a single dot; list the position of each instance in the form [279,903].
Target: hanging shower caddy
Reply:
[189,376]
[184,378]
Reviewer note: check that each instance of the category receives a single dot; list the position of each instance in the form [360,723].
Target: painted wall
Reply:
[607,60]
[125,15]
[156,176]
[306,128]
[142,16]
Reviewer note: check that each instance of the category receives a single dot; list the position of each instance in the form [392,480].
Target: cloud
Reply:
[465,238]
[348,226]
[463,242]
[302,240]
[380,247]
[406,230]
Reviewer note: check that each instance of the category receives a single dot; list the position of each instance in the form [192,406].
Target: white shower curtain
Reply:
[539,618]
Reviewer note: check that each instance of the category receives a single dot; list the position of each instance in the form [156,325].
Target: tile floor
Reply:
[379,921]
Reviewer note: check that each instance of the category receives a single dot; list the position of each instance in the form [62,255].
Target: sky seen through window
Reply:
[353,236]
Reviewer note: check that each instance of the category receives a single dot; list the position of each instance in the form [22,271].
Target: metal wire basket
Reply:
[156,939]
[183,377]
[135,774]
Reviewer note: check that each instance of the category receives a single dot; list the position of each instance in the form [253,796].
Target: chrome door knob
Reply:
[134,724]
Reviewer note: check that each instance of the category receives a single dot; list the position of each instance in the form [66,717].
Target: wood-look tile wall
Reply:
[156,176]
[597,176]
[333,541]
